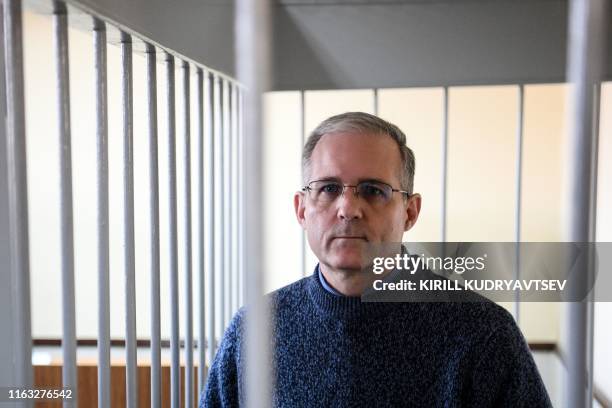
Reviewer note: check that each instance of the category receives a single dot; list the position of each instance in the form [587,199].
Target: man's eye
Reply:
[372,191]
[331,189]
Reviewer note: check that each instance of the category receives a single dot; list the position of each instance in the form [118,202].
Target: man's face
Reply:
[338,231]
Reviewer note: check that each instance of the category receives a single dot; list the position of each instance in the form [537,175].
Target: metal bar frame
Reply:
[585,57]
[17,197]
[444,181]
[101,101]
[375,106]
[303,243]
[173,244]
[518,196]
[253,61]
[227,210]
[242,206]
[209,215]
[591,389]
[154,221]
[225,123]
[60,46]
[127,102]
[187,237]
[218,205]
[200,229]
[234,198]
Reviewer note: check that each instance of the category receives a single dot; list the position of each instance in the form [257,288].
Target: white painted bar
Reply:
[101,101]
[127,102]
[187,238]
[20,368]
[234,197]
[173,245]
[200,230]
[444,181]
[209,214]
[154,222]
[227,201]
[60,46]
[253,25]
[585,57]
[518,196]
[218,206]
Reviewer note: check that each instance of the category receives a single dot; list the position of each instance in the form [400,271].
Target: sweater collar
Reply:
[340,306]
[326,284]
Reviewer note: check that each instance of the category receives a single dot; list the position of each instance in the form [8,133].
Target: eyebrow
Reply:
[361,180]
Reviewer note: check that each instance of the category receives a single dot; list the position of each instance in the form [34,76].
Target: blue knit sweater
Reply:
[334,351]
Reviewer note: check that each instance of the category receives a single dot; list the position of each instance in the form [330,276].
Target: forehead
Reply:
[352,157]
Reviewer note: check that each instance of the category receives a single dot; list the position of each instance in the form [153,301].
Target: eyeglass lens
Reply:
[372,192]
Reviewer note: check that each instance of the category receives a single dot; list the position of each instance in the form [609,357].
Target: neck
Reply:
[348,282]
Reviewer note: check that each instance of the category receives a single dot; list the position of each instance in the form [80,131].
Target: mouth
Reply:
[351,237]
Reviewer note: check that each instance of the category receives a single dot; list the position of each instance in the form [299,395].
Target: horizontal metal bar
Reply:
[140,343]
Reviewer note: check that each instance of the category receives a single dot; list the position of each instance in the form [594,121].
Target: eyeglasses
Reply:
[375,193]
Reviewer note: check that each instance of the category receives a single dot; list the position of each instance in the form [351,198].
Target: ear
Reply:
[413,209]
[298,204]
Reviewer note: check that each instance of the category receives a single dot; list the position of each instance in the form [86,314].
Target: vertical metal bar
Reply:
[200,241]
[154,222]
[99,38]
[593,233]
[209,220]
[519,197]
[375,96]
[60,42]
[173,248]
[444,183]
[187,240]
[303,244]
[219,210]
[234,195]
[241,189]
[252,24]
[227,210]
[585,57]
[17,199]
[131,382]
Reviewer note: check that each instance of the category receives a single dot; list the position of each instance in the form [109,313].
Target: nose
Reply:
[349,205]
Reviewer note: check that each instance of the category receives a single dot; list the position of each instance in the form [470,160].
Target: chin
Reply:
[346,261]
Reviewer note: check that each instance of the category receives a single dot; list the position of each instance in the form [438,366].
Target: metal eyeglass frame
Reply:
[354,187]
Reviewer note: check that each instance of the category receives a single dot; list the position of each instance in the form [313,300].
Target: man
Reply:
[332,349]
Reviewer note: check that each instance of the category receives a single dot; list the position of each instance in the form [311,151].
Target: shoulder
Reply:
[290,295]
[471,321]
[280,299]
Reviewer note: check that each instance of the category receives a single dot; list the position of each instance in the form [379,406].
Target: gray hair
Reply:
[361,122]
